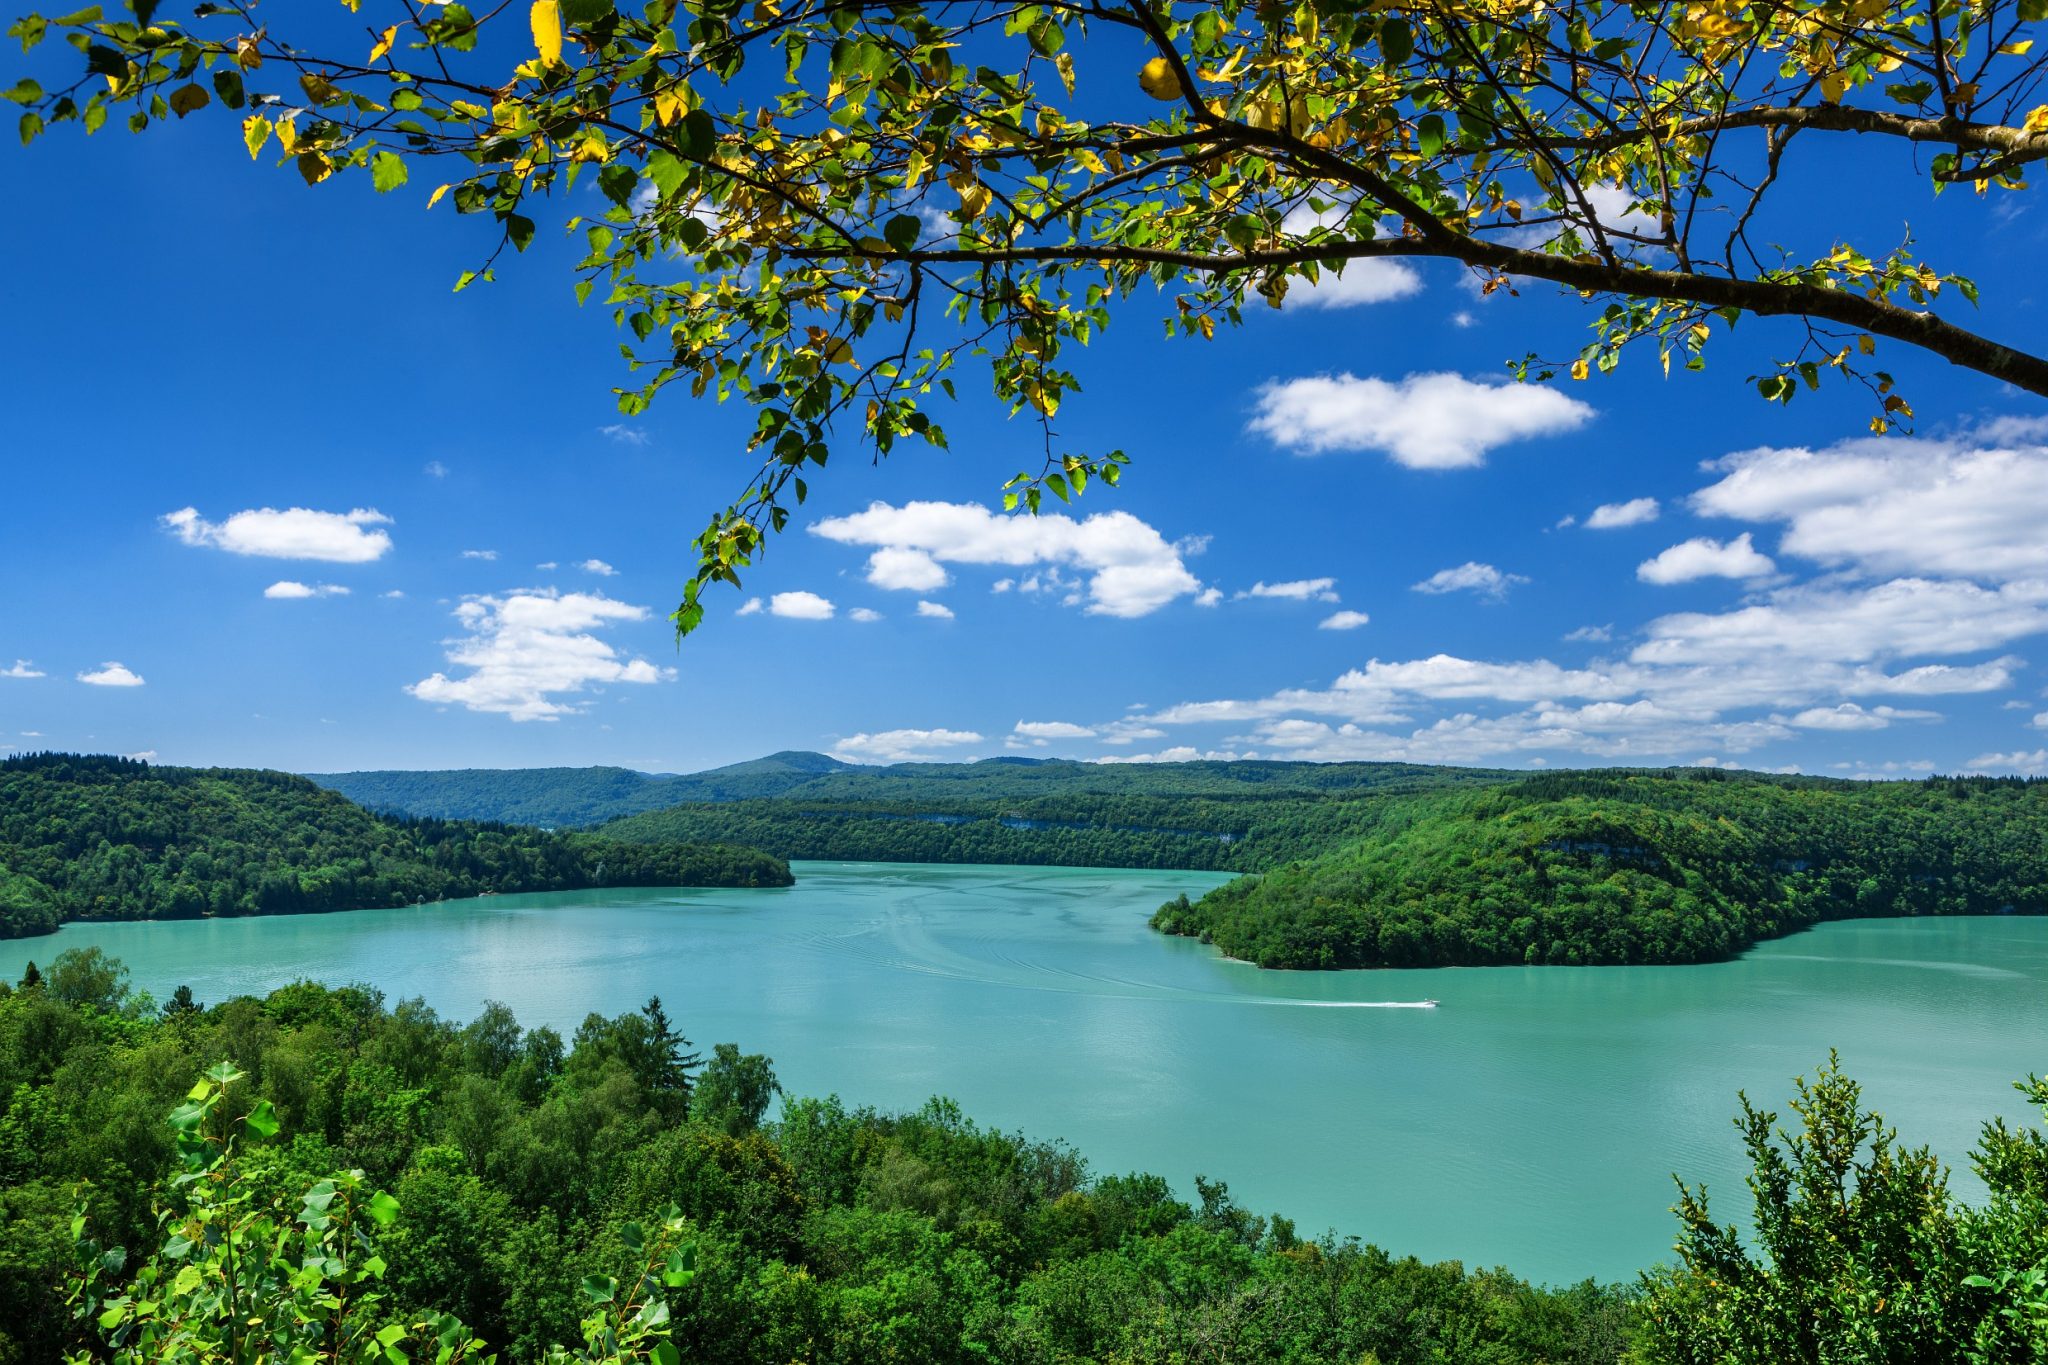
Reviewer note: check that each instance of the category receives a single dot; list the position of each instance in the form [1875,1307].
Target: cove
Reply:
[1533,1120]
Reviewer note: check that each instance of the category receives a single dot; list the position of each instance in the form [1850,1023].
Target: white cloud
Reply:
[1426,421]
[907,570]
[1610,516]
[901,746]
[1002,585]
[1705,557]
[291,588]
[1965,508]
[111,674]
[1183,753]
[751,607]
[434,469]
[1300,590]
[1051,729]
[23,668]
[1905,617]
[1849,716]
[800,606]
[623,434]
[1132,569]
[1343,620]
[2030,762]
[394,593]
[1362,282]
[865,614]
[527,647]
[352,537]
[1463,318]
[938,611]
[485,555]
[547,566]
[1208,597]
[598,567]
[142,756]
[1596,635]
[1471,576]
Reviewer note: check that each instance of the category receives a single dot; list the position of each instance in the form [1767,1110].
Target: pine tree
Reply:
[671,1065]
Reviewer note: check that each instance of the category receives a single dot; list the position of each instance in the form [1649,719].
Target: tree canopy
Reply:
[823,208]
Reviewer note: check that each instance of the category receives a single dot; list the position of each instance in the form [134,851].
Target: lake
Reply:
[1533,1120]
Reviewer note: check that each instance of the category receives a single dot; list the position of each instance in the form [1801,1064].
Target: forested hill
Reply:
[1235,816]
[559,797]
[112,838]
[1689,865]
[556,798]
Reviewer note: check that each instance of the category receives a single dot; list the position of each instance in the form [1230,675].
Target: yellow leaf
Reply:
[1832,87]
[255,132]
[2037,121]
[670,105]
[546,18]
[314,167]
[1065,65]
[318,88]
[383,44]
[287,133]
[1867,344]
[2016,49]
[1156,79]
[435,197]
[1579,369]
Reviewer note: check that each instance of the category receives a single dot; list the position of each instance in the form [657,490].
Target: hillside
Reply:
[111,838]
[1242,816]
[1633,867]
[561,797]
[556,798]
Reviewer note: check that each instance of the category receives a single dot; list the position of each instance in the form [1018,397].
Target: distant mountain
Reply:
[559,798]
[94,837]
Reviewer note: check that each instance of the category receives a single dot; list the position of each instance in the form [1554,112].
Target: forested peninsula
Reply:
[1617,867]
[114,838]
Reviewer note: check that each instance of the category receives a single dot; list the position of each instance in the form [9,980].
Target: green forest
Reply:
[557,797]
[113,838]
[1689,865]
[322,1174]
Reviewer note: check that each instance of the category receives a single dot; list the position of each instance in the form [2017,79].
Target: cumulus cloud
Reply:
[598,567]
[1299,590]
[486,555]
[1705,557]
[525,649]
[1596,635]
[1343,620]
[1471,576]
[1967,507]
[292,588]
[1051,729]
[352,537]
[801,606]
[1130,568]
[938,611]
[908,570]
[865,614]
[111,674]
[751,607]
[1849,716]
[2030,762]
[901,746]
[1609,516]
[1807,623]
[23,668]
[1425,421]
[1360,282]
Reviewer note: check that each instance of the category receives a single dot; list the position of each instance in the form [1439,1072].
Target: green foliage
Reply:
[109,838]
[1859,1253]
[1690,865]
[417,1185]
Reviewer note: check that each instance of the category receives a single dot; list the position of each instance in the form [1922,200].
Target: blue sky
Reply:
[1343,536]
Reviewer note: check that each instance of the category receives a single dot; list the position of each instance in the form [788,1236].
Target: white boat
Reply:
[1427,1004]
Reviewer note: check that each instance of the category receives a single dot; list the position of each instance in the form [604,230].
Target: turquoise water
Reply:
[1533,1120]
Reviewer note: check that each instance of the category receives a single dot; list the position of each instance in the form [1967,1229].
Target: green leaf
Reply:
[617,181]
[31,124]
[1397,41]
[1206,30]
[382,1208]
[2033,11]
[519,228]
[23,91]
[600,1288]
[902,232]
[665,1353]
[1429,134]
[699,134]
[262,1122]
[584,13]
[387,171]
[91,14]
[227,83]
